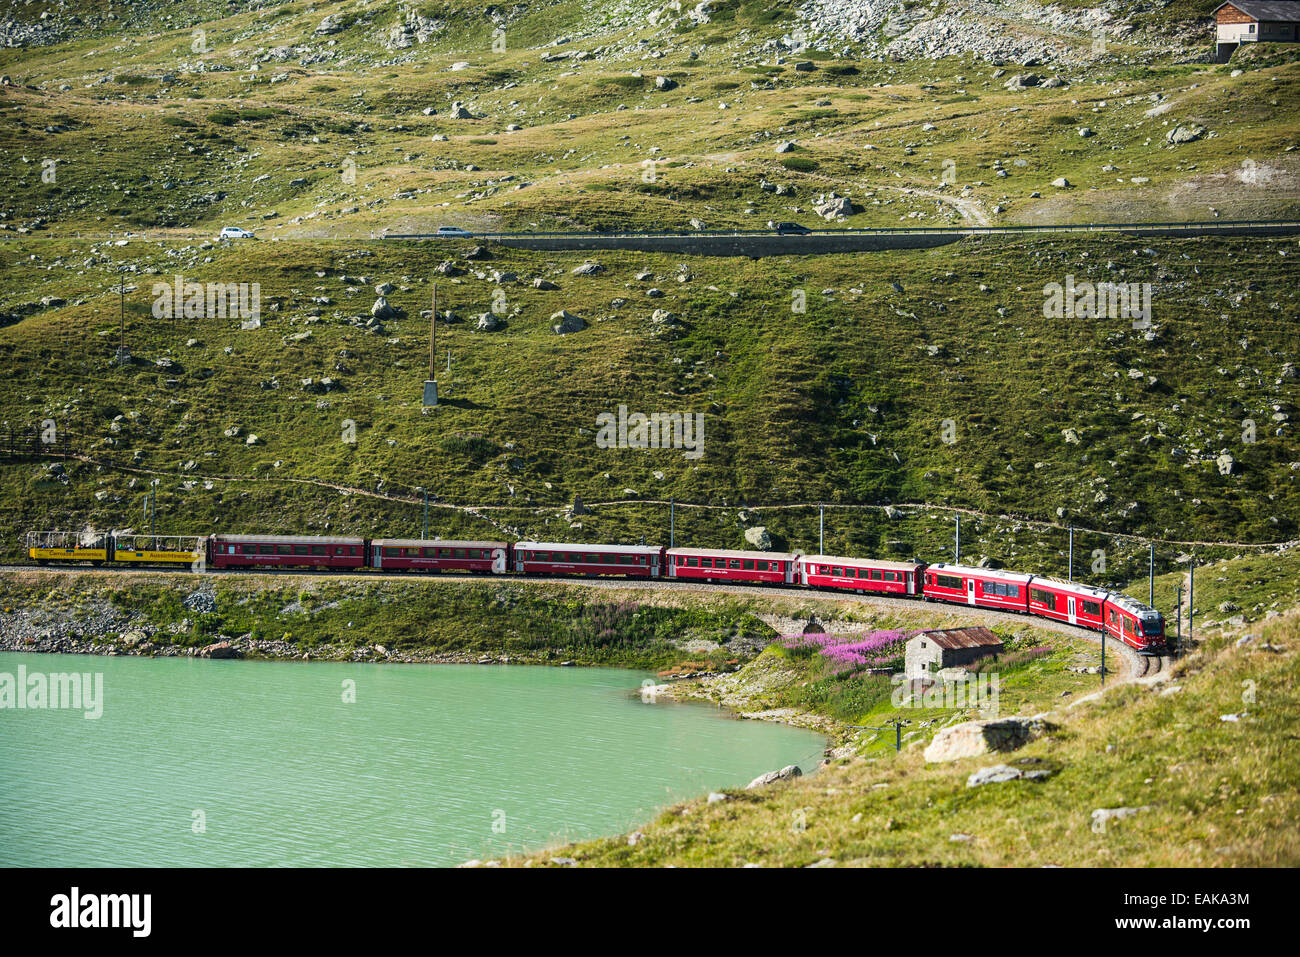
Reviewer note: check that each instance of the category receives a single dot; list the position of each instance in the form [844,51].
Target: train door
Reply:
[498,561]
[654,566]
[911,582]
[970,591]
[1074,615]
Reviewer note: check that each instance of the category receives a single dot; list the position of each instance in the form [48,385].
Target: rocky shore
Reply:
[100,628]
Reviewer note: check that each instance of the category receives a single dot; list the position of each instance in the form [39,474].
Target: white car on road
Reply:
[234,232]
[452,232]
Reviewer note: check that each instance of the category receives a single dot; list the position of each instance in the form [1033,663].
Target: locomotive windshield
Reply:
[1152,626]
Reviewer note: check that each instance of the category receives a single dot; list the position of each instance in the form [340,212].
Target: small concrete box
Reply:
[430,392]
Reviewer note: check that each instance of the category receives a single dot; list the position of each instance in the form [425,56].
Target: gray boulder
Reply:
[771,777]
[564,322]
[993,775]
[1102,816]
[381,310]
[972,738]
[1022,81]
[1185,134]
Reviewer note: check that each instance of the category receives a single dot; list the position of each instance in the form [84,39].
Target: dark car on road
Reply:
[791,229]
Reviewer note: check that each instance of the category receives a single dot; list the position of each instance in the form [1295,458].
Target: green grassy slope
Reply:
[303,134]
[848,403]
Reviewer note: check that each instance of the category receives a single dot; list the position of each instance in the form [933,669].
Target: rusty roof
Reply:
[1284,11]
[976,637]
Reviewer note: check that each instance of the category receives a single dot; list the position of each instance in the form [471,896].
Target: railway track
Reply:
[1152,665]
[1135,665]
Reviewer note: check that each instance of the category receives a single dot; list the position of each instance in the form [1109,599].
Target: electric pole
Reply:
[431,383]
[1151,574]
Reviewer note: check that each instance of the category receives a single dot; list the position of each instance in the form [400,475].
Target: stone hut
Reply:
[930,652]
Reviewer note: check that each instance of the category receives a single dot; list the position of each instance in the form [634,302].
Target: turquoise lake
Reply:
[238,763]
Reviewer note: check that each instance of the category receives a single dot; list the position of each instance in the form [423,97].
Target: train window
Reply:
[458,553]
[891,576]
[748,564]
[593,559]
[946,581]
[643,560]
[837,571]
[283,550]
[1091,608]
[875,574]
[692,561]
[318,549]
[733,563]
[266,549]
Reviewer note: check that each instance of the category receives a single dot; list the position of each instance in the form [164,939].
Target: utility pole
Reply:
[1151,574]
[1191,596]
[425,536]
[1178,619]
[956,558]
[1103,654]
[431,383]
[1069,575]
[821,529]
[672,523]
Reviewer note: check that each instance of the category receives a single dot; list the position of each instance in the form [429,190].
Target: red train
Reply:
[1122,617]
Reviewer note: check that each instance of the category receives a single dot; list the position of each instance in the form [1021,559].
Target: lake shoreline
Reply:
[686,690]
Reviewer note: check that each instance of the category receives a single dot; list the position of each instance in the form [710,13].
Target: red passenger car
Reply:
[860,574]
[712,564]
[1134,623]
[981,587]
[555,558]
[286,551]
[414,554]
[1067,601]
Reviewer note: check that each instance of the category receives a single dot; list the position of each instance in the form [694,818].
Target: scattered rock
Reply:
[221,649]
[1185,134]
[1104,815]
[565,322]
[971,738]
[771,777]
